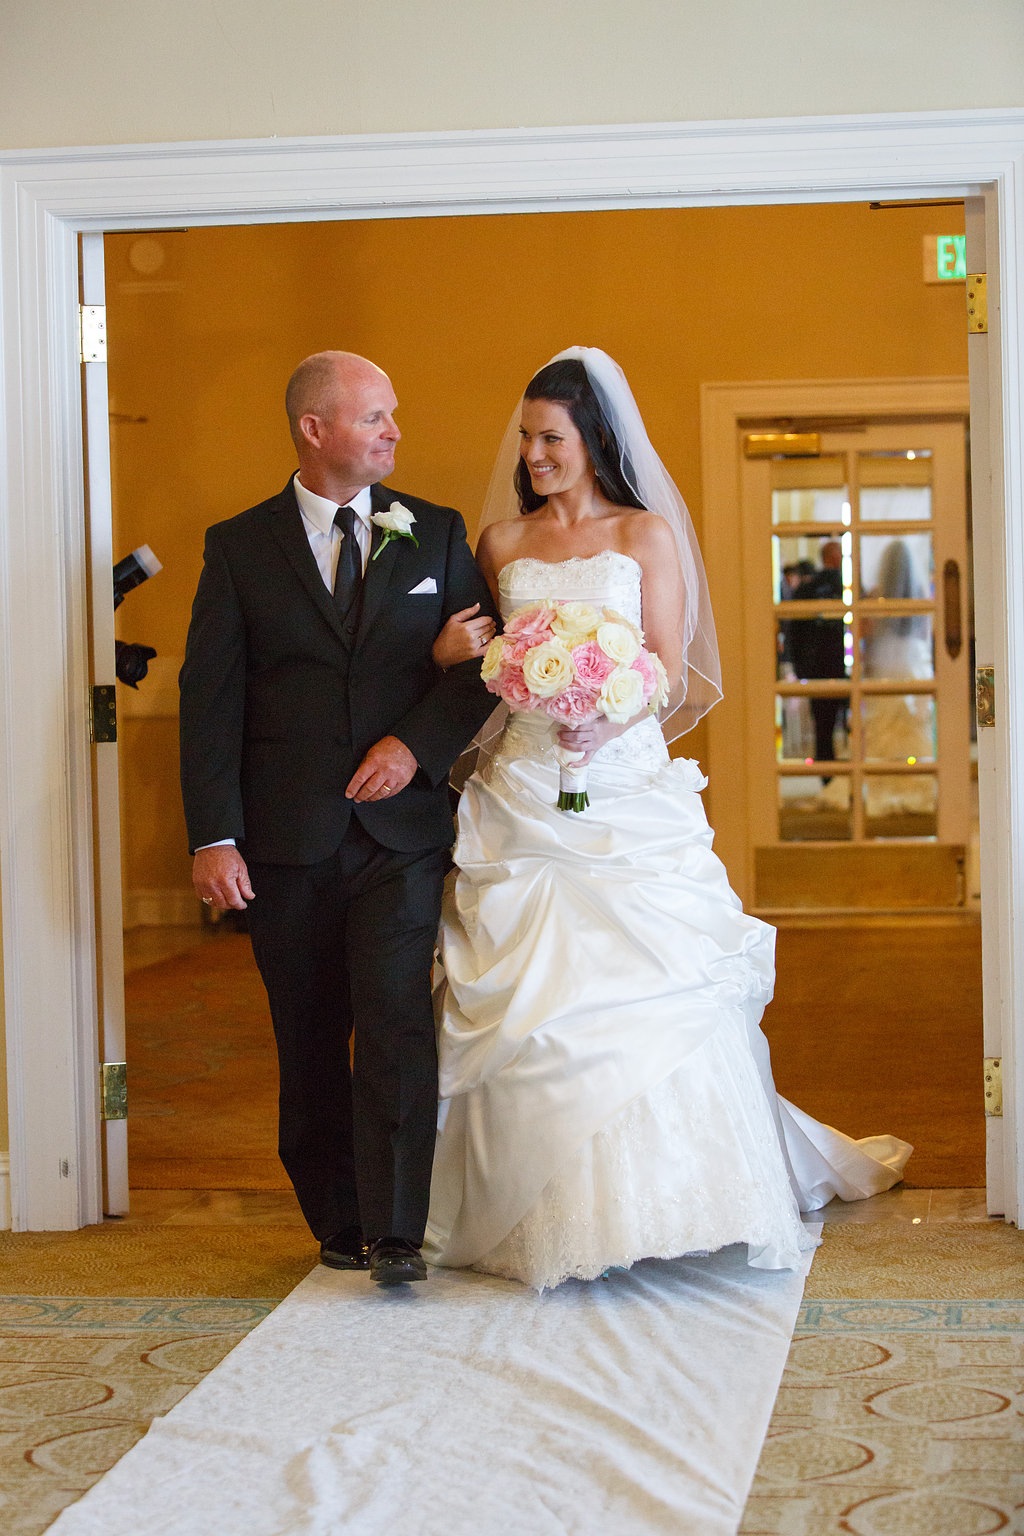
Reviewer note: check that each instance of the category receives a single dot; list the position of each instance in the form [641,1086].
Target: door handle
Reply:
[951,608]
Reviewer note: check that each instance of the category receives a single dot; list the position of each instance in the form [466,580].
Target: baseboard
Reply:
[163,907]
[5,1192]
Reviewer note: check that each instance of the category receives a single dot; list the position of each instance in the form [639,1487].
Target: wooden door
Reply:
[856,581]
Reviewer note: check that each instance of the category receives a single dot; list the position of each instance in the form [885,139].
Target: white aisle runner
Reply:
[627,1407]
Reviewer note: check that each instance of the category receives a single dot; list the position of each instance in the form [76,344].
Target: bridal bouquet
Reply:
[574,662]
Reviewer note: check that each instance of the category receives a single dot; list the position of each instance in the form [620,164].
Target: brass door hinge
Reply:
[977,303]
[985,696]
[103,716]
[93,326]
[114,1090]
[994,1087]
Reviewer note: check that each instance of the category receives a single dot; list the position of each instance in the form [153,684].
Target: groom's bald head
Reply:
[321,382]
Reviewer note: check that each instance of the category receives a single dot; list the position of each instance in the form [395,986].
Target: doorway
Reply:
[49,970]
[209,316]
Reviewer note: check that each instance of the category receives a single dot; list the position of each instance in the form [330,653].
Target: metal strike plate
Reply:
[985,696]
[114,1090]
[104,713]
[994,1087]
[977,303]
[94,333]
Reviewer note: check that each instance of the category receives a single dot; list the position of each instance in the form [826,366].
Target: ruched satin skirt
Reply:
[606,1091]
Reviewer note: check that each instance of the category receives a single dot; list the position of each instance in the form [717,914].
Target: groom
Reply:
[316,739]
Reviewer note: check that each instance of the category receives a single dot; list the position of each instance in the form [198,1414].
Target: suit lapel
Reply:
[289,530]
[379,567]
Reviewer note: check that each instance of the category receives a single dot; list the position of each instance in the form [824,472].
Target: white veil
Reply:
[700,684]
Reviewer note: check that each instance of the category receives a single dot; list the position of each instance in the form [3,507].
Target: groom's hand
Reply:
[221,879]
[386,768]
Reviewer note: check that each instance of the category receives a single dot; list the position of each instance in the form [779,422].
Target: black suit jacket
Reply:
[279,701]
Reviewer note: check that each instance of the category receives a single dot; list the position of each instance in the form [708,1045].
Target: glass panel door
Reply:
[857,557]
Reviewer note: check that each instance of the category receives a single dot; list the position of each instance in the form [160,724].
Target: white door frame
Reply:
[48,197]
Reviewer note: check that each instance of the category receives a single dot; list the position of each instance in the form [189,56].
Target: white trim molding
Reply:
[48,198]
[5,1192]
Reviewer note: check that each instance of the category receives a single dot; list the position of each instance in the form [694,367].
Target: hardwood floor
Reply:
[877,1026]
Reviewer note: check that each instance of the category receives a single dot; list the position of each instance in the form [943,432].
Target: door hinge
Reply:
[114,1090]
[994,1087]
[93,323]
[977,303]
[985,696]
[103,713]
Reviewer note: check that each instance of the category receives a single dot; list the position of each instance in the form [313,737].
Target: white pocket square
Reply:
[428,584]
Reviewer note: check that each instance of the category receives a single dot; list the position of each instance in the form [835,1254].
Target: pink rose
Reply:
[645,666]
[532,625]
[513,652]
[573,705]
[514,690]
[592,665]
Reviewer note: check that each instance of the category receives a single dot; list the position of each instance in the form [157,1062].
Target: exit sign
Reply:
[945,258]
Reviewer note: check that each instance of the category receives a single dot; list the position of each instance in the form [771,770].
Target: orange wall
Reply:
[461,312]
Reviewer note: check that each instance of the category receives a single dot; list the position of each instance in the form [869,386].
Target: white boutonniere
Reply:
[397,523]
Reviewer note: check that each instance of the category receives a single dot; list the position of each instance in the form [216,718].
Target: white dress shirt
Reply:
[324,538]
[325,542]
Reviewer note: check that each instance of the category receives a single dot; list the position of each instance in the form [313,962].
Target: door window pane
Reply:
[895,486]
[809,567]
[899,727]
[812,649]
[802,725]
[813,811]
[897,566]
[901,805]
[810,491]
[897,646]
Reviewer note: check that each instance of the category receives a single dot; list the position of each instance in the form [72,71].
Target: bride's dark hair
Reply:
[566,383]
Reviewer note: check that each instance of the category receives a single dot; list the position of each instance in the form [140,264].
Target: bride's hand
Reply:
[465,637]
[592,737]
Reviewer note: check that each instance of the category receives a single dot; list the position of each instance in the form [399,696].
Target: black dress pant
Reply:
[346,946]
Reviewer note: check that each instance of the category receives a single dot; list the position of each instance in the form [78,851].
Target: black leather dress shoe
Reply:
[347,1249]
[393,1261]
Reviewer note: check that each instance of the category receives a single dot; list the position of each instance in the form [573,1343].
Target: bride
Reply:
[606,1091]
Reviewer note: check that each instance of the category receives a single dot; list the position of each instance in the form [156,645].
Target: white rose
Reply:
[548,669]
[615,617]
[622,695]
[574,623]
[491,664]
[397,519]
[619,642]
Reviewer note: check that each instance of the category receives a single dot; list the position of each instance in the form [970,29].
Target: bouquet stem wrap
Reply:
[572,780]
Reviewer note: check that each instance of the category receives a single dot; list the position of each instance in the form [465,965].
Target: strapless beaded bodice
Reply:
[610,580]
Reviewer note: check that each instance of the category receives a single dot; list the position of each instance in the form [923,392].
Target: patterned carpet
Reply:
[81,1380]
[895,1416]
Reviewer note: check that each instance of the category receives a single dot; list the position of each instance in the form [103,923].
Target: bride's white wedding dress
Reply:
[606,1090]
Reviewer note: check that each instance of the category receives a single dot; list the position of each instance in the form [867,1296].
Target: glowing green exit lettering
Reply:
[951,258]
